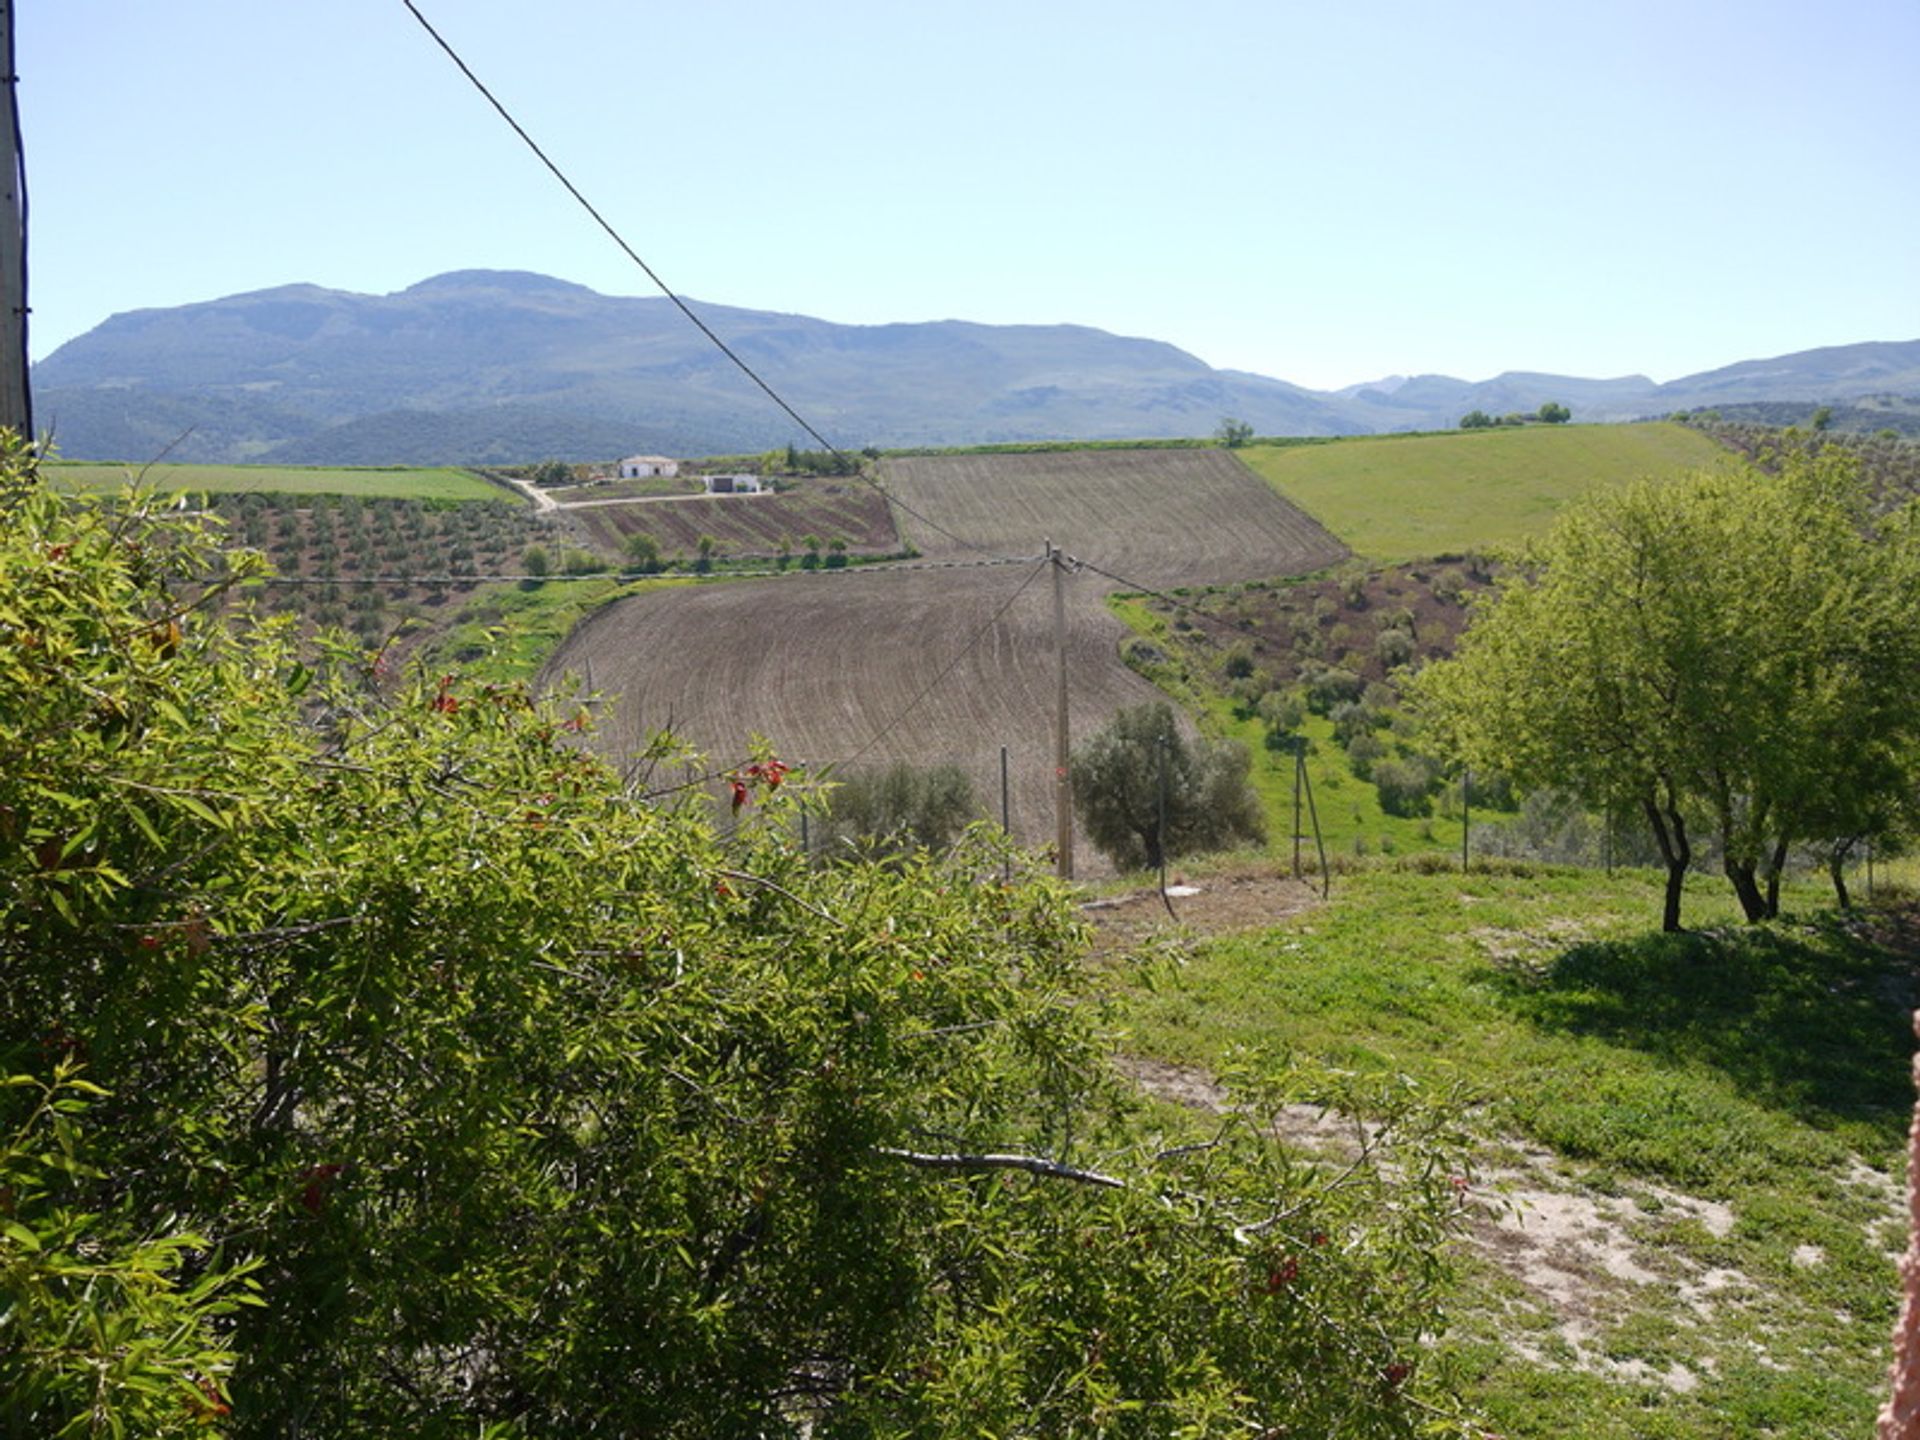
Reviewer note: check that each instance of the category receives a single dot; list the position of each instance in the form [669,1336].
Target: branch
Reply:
[778,889]
[1032,1164]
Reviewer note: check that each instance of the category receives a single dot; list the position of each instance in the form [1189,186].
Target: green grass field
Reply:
[1407,498]
[1701,1132]
[445,483]
[505,633]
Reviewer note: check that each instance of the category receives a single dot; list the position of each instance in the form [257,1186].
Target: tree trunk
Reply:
[1776,863]
[1753,904]
[1836,867]
[1670,831]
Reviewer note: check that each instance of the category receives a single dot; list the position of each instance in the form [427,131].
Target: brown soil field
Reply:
[822,663]
[1162,517]
[752,525]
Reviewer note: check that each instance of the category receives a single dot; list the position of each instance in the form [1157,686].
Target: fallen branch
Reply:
[1032,1164]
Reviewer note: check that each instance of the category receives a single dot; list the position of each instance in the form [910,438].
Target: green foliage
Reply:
[1232,434]
[643,553]
[396,481]
[1406,785]
[1139,767]
[551,473]
[1553,413]
[536,560]
[547,1111]
[106,1327]
[900,808]
[1727,652]
[1476,420]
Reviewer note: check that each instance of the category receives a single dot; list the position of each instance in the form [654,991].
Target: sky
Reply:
[1325,193]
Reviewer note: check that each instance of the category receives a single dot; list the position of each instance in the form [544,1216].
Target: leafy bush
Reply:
[902,807]
[1362,752]
[1329,685]
[1406,785]
[549,1111]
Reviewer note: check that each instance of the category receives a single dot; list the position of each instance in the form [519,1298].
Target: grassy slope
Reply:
[1351,820]
[1748,1067]
[404,484]
[1395,499]
[507,632]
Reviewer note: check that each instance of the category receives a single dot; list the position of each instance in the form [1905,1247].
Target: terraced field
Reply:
[829,666]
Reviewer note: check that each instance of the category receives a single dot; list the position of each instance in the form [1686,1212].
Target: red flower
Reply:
[1282,1275]
[1396,1373]
[739,793]
[313,1194]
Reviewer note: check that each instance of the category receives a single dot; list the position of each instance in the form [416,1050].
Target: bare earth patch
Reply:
[1220,905]
[1579,1261]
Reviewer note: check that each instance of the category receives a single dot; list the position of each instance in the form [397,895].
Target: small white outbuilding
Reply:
[644,467]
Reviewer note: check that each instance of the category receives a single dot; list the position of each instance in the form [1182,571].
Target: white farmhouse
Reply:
[733,484]
[644,467]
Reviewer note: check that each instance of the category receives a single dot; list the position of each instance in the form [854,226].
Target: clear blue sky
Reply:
[1324,193]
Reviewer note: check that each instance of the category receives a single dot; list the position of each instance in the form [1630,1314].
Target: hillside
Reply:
[951,659]
[1409,497]
[491,367]
[483,365]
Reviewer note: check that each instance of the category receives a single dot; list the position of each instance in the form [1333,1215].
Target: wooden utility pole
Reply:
[16,403]
[1062,788]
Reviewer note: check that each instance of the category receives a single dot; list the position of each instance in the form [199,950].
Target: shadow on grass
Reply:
[1812,1018]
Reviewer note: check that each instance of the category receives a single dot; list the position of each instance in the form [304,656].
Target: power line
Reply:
[951,665]
[667,291]
[628,577]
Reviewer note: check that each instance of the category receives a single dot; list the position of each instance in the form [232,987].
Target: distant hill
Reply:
[485,366]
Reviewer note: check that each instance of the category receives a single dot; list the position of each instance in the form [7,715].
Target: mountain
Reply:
[490,366]
[484,365]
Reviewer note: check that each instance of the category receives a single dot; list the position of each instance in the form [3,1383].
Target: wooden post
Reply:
[1006,817]
[1160,825]
[1299,766]
[16,401]
[1466,815]
[1062,787]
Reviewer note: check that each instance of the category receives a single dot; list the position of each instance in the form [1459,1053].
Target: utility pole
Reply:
[16,401]
[1062,789]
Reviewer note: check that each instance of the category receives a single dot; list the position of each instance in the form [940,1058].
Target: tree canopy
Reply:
[1733,650]
[1139,781]
[379,1062]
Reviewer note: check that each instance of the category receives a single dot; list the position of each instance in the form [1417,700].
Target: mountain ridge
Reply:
[488,366]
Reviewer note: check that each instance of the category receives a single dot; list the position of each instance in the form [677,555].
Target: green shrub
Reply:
[550,1110]
[900,808]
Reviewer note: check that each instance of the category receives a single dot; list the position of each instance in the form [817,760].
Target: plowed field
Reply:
[1163,517]
[823,663]
[752,525]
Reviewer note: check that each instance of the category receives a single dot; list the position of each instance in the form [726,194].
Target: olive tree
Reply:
[1139,785]
[1732,649]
